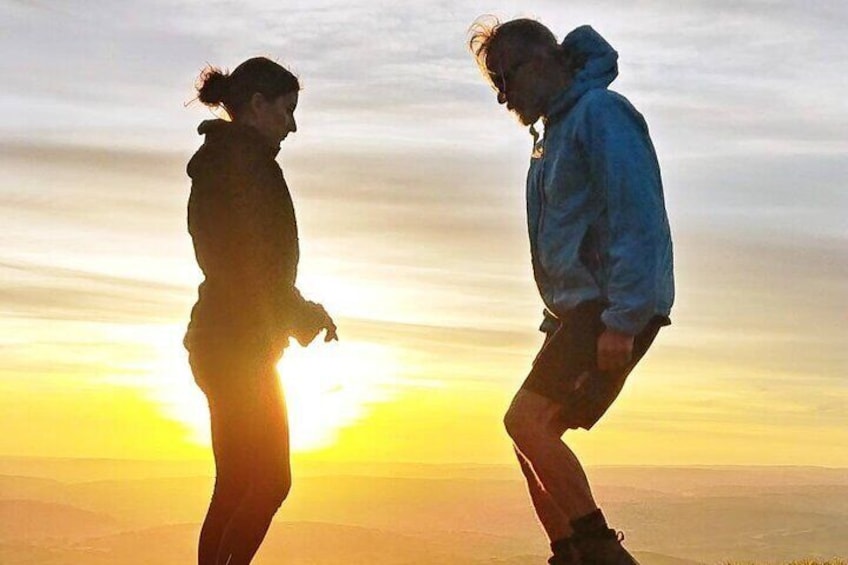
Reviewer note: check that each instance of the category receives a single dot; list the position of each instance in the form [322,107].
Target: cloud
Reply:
[408,178]
[770,313]
[45,292]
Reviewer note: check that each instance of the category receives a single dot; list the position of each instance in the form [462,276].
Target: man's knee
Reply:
[515,425]
[525,428]
[533,420]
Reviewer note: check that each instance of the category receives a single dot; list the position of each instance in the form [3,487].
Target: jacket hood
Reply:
[228,138]
[600,69]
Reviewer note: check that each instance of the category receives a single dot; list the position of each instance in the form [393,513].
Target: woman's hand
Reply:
[328,324]
[315,320]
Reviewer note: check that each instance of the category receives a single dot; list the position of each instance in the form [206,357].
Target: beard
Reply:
[529,110]
[527,118]
[527,115]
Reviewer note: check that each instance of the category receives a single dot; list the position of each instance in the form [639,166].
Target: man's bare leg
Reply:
[531,422]
[553,520]
[535,424]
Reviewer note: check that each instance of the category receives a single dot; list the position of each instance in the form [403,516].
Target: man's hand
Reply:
[614,350]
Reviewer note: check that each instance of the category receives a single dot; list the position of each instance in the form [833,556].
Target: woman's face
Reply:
[275,118]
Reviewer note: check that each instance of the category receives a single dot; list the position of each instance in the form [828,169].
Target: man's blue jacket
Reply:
[595,208]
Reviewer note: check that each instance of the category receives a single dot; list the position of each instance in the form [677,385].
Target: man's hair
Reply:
[527,34]
[488,30]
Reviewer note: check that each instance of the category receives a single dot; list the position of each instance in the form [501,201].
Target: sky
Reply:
[408,181]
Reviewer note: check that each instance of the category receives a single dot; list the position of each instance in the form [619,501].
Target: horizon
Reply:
[309,458]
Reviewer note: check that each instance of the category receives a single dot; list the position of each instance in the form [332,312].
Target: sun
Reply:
[327,387]
[332,386]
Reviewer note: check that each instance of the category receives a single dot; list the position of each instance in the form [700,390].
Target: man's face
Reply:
[521,77]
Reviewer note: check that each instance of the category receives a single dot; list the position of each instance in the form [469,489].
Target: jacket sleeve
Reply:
[625,172]
[295,312]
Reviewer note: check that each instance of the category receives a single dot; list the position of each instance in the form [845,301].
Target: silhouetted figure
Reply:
[242,223]
[602,259]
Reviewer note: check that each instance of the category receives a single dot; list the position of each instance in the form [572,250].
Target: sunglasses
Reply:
[500,79]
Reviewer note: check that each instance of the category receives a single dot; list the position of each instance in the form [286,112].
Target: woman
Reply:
[242,224]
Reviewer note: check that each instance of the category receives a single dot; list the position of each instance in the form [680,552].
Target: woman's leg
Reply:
[231,473]
[264,469]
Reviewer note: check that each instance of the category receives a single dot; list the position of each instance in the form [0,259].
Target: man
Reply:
[602,259]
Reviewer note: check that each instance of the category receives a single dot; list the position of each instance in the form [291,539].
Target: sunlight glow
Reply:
[327,387]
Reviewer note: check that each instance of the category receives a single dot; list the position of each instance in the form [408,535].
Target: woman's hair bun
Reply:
[212,86]
[234,91]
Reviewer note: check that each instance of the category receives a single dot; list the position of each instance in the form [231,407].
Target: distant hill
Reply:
[464,515]
[303,543]
[35,488]
[651,558]
[28,520]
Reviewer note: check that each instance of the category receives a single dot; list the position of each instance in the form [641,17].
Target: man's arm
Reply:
[624,169]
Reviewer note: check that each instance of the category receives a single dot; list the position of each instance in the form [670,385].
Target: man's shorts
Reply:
[566,368]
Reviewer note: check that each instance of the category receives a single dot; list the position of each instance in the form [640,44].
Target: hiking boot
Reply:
[567,557]
[563,560]
[603,548]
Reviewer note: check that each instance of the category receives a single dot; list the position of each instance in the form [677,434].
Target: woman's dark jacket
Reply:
[242,223]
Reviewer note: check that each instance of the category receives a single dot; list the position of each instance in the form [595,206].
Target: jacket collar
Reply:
[231,132]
